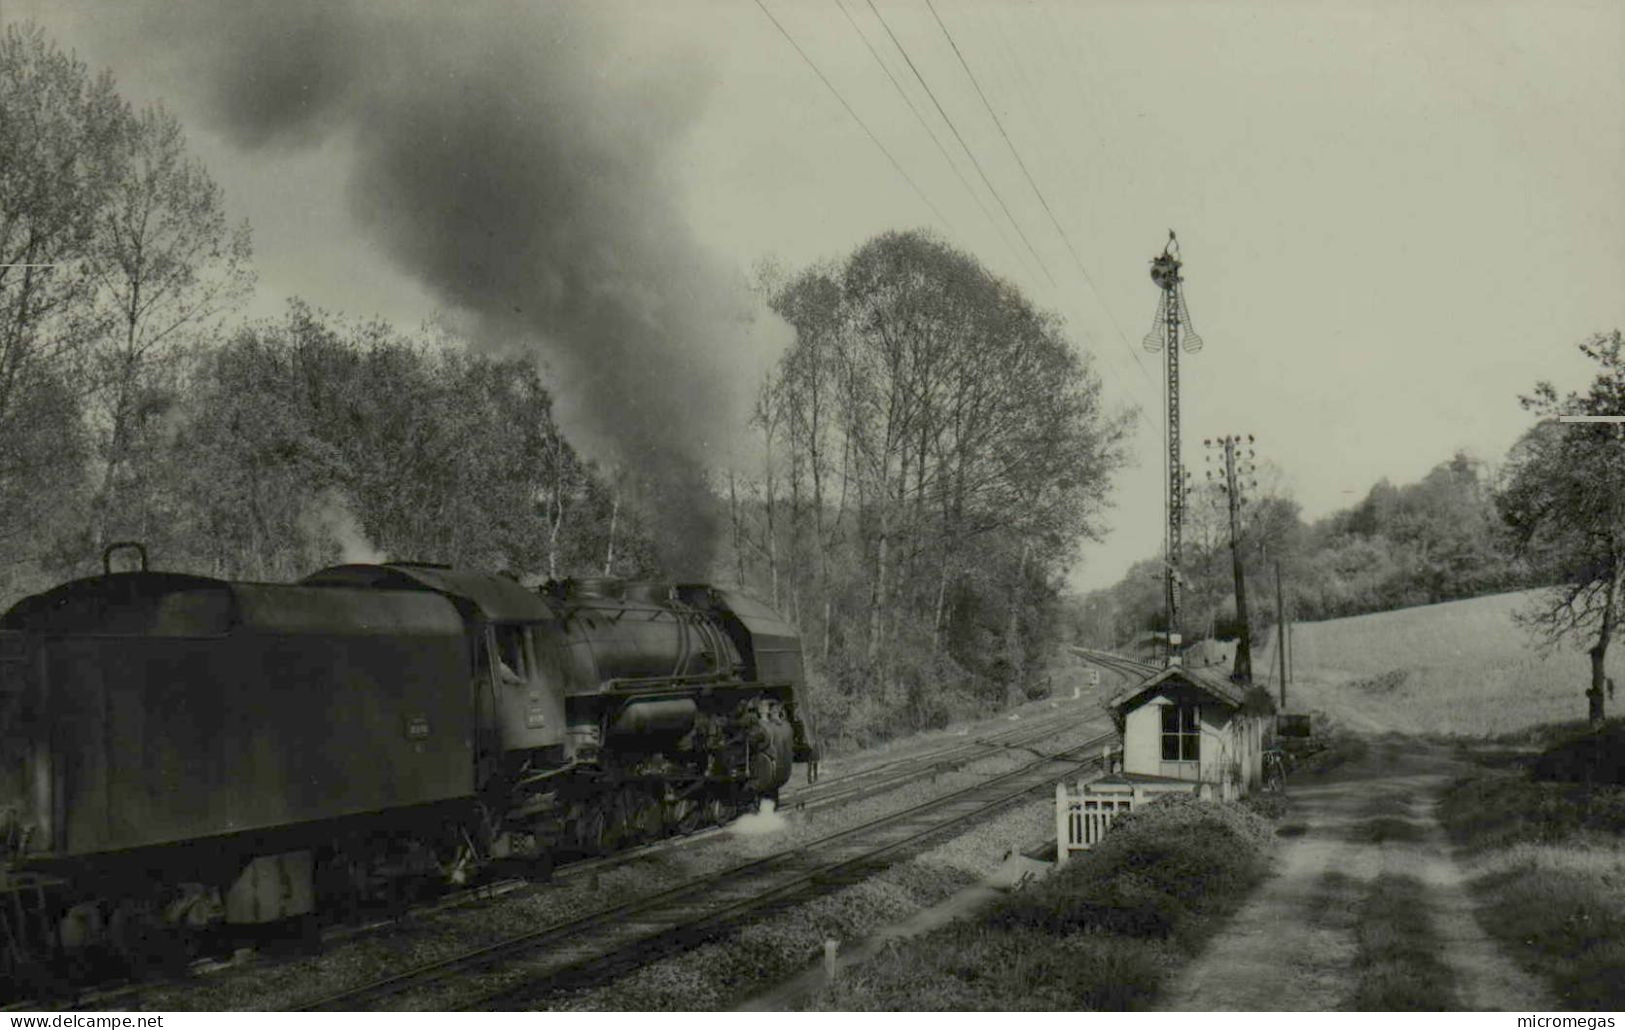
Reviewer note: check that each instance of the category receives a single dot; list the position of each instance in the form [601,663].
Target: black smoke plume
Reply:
[516,161]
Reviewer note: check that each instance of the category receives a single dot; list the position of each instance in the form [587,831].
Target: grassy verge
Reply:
[1397,957]
[1101,934]
[1550,861]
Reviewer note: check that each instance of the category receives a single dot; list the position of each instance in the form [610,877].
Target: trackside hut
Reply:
[1192,725]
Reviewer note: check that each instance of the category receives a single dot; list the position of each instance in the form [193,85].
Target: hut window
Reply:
[1181,733]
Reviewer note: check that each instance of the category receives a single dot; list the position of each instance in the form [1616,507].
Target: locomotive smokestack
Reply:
[518,163]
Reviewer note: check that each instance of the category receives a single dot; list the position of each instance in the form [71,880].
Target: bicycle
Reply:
[1274,770]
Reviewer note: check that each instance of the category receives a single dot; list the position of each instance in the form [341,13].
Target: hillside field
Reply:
[1459,668]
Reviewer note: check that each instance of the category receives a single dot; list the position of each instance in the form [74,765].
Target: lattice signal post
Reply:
[1172,330]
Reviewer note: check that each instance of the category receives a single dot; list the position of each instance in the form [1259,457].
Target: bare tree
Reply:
[1564,499]
[809,379]
[768,416]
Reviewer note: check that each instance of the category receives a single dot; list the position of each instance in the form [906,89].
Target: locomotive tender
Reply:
[180,754]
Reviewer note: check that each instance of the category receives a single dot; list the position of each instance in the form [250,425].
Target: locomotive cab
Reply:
[513,674]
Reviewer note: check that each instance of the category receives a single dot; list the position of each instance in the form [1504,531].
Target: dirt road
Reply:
[1293,946]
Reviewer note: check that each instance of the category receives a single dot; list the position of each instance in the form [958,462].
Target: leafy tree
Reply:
[1564,500]
[59,127]
[164,264]
[935,448]
[306,438]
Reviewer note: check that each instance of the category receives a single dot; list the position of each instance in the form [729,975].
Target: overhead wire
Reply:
[1039,193]
[963,145]
[849,110]
[1017,67]
[959,137]
[941,149]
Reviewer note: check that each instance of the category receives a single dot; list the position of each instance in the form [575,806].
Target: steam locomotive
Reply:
[183,756]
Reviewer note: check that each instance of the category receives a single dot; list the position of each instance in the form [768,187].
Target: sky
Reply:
[1395,217]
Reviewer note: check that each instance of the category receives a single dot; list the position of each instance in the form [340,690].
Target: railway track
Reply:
[855,786]
[858,785]
[850,787]
[1131,670]
[877,779]
[575,952]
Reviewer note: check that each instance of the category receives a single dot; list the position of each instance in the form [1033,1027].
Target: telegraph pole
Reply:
[1280,630]
[1291,654]
[1234,489]
[1172,320]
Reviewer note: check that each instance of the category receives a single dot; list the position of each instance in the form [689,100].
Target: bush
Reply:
[1099,934]
[1499,808]
[1187,813]
[1596,756]
[1122,902]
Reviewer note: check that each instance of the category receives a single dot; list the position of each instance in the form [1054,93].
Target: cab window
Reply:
[512,665]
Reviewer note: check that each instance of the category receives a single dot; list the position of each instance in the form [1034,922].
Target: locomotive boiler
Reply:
[182,755]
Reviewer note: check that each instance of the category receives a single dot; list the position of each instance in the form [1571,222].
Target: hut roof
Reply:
[1221,688]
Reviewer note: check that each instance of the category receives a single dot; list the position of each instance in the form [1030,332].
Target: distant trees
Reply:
[1136,606]
[1270,530]
[1435,540]
[935,449]
[1564,500]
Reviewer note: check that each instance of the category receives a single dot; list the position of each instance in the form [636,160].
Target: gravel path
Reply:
[1292,946]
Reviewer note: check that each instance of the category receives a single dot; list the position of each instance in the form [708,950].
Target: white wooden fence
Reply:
[1084,812]
[1085,809]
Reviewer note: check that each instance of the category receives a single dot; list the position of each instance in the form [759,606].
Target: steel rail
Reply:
[631,931]
[918,767]
[930,754]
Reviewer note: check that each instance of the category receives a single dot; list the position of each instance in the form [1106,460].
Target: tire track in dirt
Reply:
[1292,946]
[1485,978]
